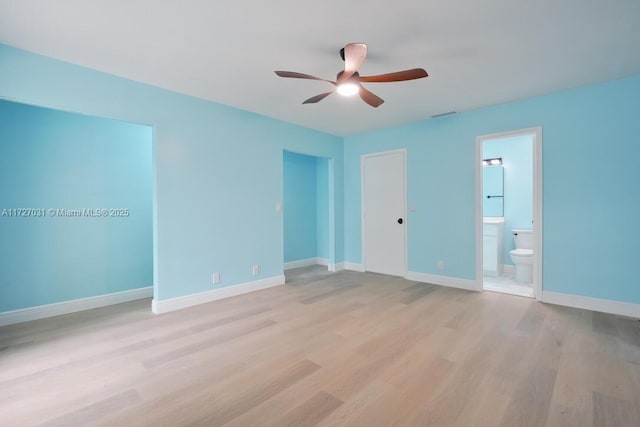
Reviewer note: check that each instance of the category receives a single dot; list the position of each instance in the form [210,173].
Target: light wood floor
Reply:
[350,349]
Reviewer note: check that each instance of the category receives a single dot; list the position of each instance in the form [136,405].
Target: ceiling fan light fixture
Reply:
[348,89]
[348,81]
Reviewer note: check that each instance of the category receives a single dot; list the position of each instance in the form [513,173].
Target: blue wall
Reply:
[591,201]
[56,160]
[218,175]
[322,208]
[218,170]
[517,162]
[300,207]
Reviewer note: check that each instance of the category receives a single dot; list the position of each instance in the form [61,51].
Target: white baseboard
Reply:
[452,282]
[339,266]
[353,266]
[594,304]
[305,263]
[178,303]
[336,267]
[65,307]
[299,263]
[509,269]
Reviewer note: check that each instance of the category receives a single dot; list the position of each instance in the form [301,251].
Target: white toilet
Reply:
[522,255]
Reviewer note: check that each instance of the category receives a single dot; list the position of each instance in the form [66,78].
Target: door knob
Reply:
[399,220]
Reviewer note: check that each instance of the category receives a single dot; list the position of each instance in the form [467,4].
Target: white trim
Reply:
[479,216]
[448,281]
[351,266]
[536,132]
[299,263]
[323,261]
[537,211]
[354,266]
[164,306]
[402,151]
[595,304]
[65,307]
[509,269]
[307,262]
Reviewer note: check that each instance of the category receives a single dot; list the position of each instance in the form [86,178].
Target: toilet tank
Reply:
[523,238]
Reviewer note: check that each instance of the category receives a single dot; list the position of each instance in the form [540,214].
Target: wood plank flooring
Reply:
[329,349]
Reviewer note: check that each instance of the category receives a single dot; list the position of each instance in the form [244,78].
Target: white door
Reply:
[384,213]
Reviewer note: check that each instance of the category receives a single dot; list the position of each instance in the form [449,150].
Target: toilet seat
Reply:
[521,252]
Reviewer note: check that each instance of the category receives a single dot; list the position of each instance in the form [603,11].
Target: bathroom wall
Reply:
[517,162]
[61,163]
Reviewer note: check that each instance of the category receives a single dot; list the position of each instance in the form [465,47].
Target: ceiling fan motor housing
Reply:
[356,75]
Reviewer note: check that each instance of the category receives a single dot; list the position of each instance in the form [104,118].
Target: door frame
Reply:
[363,157]
[536,132]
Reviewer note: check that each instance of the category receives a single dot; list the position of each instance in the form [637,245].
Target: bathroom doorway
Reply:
[509,212]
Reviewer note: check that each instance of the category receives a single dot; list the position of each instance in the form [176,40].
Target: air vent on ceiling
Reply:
[443,114]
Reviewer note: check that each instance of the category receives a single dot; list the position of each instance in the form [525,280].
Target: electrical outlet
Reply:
[216,278]
[256,270]
[440,265]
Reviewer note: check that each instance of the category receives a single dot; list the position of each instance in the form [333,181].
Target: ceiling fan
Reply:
[349,82]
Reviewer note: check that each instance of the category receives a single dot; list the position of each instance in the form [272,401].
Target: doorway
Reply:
[384,212]
[87,184]
[307,219]
[509,212]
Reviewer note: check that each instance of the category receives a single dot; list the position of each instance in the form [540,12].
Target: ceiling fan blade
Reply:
[293,74]
[371,99]
[354,56]
[415,73]
[317,98]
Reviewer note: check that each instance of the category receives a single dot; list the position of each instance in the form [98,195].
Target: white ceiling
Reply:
[477,52]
